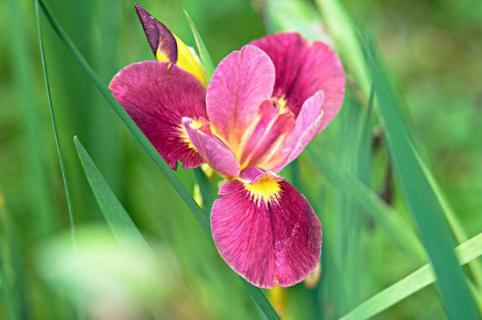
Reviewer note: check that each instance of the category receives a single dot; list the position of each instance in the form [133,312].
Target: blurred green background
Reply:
[433,50]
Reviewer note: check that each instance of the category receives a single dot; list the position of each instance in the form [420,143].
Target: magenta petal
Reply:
[269,128]
[213,151]
[156,96]
[303,68]
[241,82]
[308,124]
[158,35]
[274,242]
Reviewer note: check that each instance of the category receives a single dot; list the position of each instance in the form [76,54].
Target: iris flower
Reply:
[261,108]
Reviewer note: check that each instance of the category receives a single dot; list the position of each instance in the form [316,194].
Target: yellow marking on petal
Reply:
[195,124]
[266,189]
[188,61]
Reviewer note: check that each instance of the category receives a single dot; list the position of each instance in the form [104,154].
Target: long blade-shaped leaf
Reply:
[255,293]
[35,175]
[201,48]
[395,227]
[422,200]
[58,145]
[417,280]
[117,218]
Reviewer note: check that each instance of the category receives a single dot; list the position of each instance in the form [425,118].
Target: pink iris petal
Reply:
[156,96]
[270,128]
[268,148]
[308,124]
[213,151]
[303,68]
[272,240]
[241,82]
[158,35]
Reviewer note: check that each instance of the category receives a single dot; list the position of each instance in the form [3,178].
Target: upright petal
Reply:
[302,69]
[308,124]
[213,151]
[157,95]
[241,82]
[265,230]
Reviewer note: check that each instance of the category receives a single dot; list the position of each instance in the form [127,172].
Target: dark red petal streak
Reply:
[303,68]
[267,243]
[156,96]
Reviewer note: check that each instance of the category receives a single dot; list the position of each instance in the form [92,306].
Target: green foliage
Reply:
[422,200]
[417,280]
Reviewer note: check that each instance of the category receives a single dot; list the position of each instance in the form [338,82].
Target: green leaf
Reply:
[201,48]
[395,227]
[35,177]
[53,120]
[417,280]
[117,218]
[421,197]
[255,293]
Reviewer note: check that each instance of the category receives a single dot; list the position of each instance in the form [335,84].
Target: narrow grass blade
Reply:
[394,226]
[422,199]
[256,293]
[201,48]
[58,145]
[35,175]
[459,232]
[417,280]
[117,218]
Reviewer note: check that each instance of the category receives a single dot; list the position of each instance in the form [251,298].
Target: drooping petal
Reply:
[302,69]
[157,95]
[213,151]
[167,47]
[241,82]
[265,230]
[308,124]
